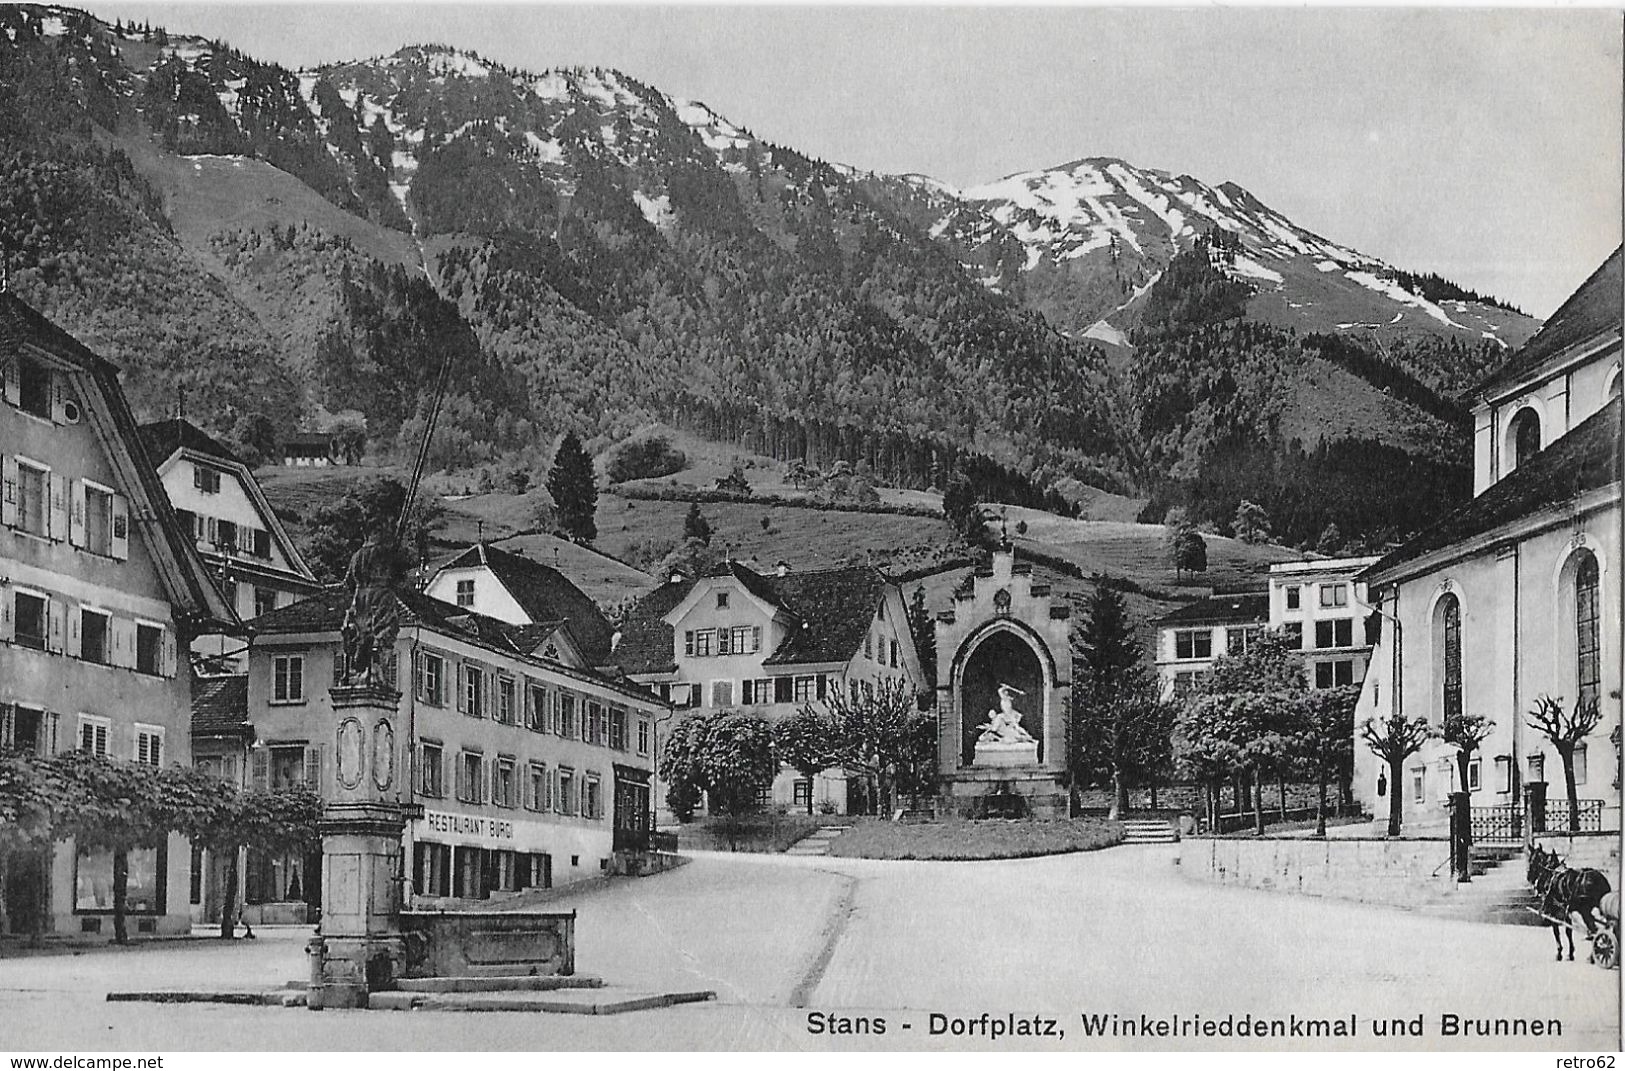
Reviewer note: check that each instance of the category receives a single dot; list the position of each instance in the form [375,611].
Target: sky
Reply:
[1484,145]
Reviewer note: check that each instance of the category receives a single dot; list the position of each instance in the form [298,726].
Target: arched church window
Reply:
[1450,616]
[1525,437]
[1587,643]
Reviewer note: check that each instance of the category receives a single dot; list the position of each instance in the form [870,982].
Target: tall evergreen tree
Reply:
[574,487]
[695,526]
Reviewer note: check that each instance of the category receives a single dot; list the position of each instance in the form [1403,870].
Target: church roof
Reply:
[1585,459]
[1591,313]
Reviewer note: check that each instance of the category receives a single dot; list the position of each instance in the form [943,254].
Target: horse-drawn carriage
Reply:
[1569,891]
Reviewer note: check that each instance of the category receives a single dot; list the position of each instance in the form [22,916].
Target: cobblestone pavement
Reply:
[1115,932]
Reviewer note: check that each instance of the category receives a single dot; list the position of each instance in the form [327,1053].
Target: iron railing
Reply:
[1588,815]
[1499,824]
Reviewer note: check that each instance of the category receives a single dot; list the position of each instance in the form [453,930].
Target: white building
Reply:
[511,587]
[1515,594]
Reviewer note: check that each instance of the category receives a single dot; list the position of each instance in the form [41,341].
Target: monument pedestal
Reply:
[1005,754]
[358,947]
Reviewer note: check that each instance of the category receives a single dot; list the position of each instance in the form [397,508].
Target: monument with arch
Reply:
[1004,684]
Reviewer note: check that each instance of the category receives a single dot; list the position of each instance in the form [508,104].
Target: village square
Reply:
[561,557]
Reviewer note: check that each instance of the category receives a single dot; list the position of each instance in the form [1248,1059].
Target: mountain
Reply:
[268,248]
[1082,243]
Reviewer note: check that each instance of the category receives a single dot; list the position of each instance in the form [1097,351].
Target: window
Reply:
[893,646]
[261,544]
[143,881]
[1503,773]
[1334,674]
[566,803]
[722,600]
[1186,683]
[465,593]
[756,690]
[722,693]
[617,729]
[502,779]
[592,802]
[264,601]
[34,388]
[507,698]
[33,489]
[1525,436]
[1239,640]
[225,537]
[1579,764]
[806,689]
[288,679]
[595,724]
[1334,595]
[24,729]
[206,479]
[432,869]
[1294,597]
[1419,784]
[701,642]
[93,733]
[433,779]
[30,620]
[1293,632]
[148,642]
[470,776]
[745,639]
[643,736]
[149,745]
[1338,632]
[801,793]
[1474,774]
[1193,643]
[1537,768]
[535,708]
[869,646]
[473,691]
[567,715]
[431,680]
[1450,691]
[1587,646]
[98,520]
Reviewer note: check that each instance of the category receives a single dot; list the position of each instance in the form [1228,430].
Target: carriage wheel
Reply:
[1605,949]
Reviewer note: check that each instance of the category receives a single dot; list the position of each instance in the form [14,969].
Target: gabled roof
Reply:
[545,594]
[164,437]
[1591,313]
[1242,608]
[324,613]
[830,612]
[220,706]
[191,591]
[1585,459]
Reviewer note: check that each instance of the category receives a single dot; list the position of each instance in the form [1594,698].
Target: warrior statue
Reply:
[373,618]
[1004,725]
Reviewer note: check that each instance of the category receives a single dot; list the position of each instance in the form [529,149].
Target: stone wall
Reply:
[1400,872]
[1585,849]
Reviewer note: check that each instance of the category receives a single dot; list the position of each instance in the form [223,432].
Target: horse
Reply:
[1566,892]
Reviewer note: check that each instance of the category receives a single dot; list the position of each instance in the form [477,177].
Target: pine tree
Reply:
[574,487]
[695,526]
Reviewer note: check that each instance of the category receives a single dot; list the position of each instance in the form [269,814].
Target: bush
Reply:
[645,459]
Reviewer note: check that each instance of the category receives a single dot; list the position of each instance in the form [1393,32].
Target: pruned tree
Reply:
[30,797]
[1566,730]
[1326,740]
[574,487]
[1394,740]
[882,735]
[805,741]
[680,766]
[1465,732]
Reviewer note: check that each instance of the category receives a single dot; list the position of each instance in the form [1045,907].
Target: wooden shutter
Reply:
[259,769]
[75,620]
[122,632]
[417,676]
[11,375]
[313,768]
[119,542]
[57,489]
[8,490]
[76,513]
[8,624]
[168,656]
[462,691]
[56,612]
[59,398]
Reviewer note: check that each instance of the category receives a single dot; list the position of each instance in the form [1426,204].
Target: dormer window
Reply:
[465,593]
[34,388]
[722,600]
[206,479]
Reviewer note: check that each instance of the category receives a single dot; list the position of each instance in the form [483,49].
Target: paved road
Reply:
[1109,932]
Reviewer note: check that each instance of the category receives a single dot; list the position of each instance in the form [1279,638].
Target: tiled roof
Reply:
[831,608]
[1591,312]
[545,594]
[220,706]
[21,325]
[1251,607]
[164,437]
[1585,459]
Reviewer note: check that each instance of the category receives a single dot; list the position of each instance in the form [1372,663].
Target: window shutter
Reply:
[8,491]
[76,514]
[259,769]
[10,373]
[313,768]
[168,656]
[120,542]
[57,626]
[58,522]
[59,398]
[8,626]
[417,676]
[75,618]
[211,530]
[462,691]
[460,777]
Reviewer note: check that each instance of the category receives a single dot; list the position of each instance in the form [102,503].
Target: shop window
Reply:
[431,759]
[144,888]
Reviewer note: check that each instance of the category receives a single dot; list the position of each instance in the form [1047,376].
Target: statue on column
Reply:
[373,619]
